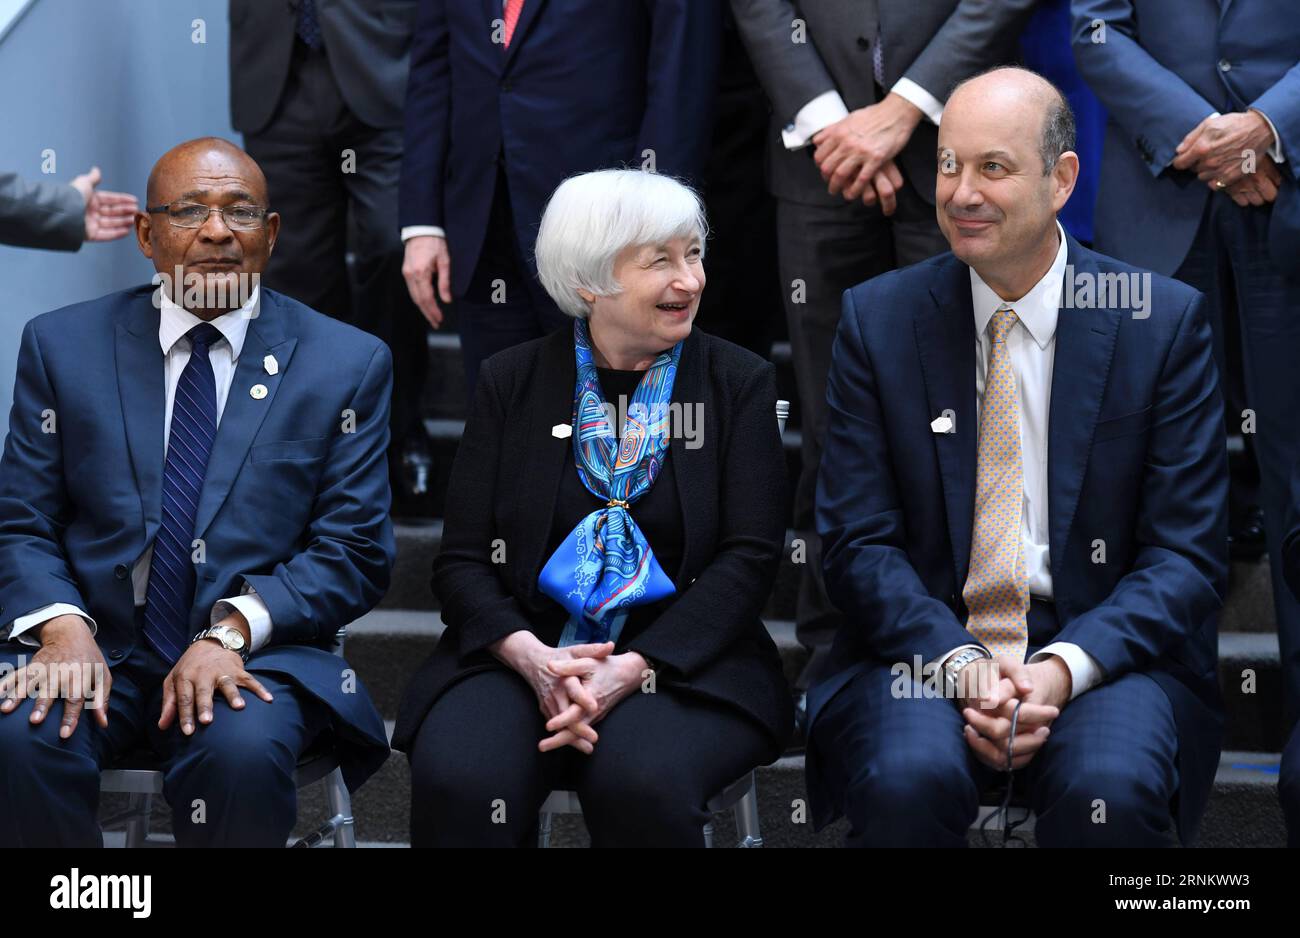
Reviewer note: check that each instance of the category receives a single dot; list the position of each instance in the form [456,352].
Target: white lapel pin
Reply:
[258,391]
[271,365]
[941,424]
[562,431]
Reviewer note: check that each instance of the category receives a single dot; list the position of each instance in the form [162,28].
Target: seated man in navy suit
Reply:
[1023,498]
[193,500]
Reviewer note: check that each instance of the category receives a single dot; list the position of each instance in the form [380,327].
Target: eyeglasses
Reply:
[194,215]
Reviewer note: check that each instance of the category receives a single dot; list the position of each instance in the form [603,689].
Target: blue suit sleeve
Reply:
[1154,106]
[682,65]
[34,503]
[860,518]
[1281,103]
[1179,573]
[428,119]
[343,570]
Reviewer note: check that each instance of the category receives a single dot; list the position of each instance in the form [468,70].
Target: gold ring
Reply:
[1218,184]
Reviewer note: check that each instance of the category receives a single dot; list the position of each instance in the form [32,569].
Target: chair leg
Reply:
[340,808]
[544,829]
[139,807]
[746,812]
[708,835]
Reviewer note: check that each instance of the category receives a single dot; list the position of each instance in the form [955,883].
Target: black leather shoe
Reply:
[1246,540]
[412,481]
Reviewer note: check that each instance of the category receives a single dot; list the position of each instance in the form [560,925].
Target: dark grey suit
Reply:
[325,124]
[825,242]
[41,214]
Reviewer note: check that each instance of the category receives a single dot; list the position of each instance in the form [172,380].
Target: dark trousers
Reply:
[477,778]
[828,249]
[504,304]
[1253,305]
[895,763]
[1288,788]
[229,784]
[328,207]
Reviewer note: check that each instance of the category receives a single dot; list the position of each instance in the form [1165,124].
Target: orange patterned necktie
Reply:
[997,587]
[511,17]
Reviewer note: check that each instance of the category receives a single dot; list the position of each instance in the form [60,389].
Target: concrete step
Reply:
[387,646]
[1243,810]
[1249,607]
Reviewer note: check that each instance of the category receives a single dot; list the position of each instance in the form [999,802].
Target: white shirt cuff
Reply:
[418,231]
[1275,151]
[818,114]
[928,103]
[45,614]
[1085,672]
[254,609]
[943,659]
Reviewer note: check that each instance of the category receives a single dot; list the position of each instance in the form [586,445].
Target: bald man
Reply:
[1022,499]
[193,500]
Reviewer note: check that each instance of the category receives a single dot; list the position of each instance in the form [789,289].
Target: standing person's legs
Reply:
[382,305]
[1270,333]
[304,175]
[823,251]
[477,778]
[501,307]
[49,787]
[917,235]
[660,758]
[1288,788]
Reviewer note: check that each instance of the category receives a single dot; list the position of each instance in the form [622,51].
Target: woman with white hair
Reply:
[614,521]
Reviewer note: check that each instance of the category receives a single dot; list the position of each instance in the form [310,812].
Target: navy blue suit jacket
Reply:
[295,502]
[1160,72]
[1136,458]
[584,85]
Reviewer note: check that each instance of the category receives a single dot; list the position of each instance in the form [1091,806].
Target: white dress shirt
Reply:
[828,107]
[1031,345]
[174,323]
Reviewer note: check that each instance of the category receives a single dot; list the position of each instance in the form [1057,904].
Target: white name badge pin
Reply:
[941,425]
[271,365]
[562,431]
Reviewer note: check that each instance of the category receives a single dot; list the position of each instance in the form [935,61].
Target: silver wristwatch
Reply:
[231,639]
[953,666]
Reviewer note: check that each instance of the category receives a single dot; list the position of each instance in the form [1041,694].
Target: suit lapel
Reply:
[243,414]
[692,468]
[140,384]
[1085,346]
[945,339]
[543,455]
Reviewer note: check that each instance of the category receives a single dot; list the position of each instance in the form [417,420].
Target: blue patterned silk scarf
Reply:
[605,565]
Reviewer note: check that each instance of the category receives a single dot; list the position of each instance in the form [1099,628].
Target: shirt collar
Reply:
[176,321]
[1037,310]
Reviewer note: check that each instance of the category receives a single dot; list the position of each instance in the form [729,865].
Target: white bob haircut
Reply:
[592,217]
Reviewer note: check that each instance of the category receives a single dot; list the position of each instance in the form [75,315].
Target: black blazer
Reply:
[367,43]
[709,639]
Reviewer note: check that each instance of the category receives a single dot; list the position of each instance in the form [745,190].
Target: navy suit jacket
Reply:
[295,500]
[1160,72]
[584,85]
[1136,458]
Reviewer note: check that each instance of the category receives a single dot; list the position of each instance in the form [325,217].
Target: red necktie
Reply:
[513,8]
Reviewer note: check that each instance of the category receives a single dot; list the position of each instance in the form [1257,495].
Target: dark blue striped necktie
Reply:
[193,428]
[308,27]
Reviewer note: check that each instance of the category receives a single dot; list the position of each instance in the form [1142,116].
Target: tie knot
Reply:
[203,335]
[1001,323]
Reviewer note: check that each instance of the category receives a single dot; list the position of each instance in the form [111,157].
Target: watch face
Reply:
[232,639]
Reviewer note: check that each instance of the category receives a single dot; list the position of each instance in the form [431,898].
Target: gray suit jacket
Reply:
[41,214]
[935,43]
[368,44]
